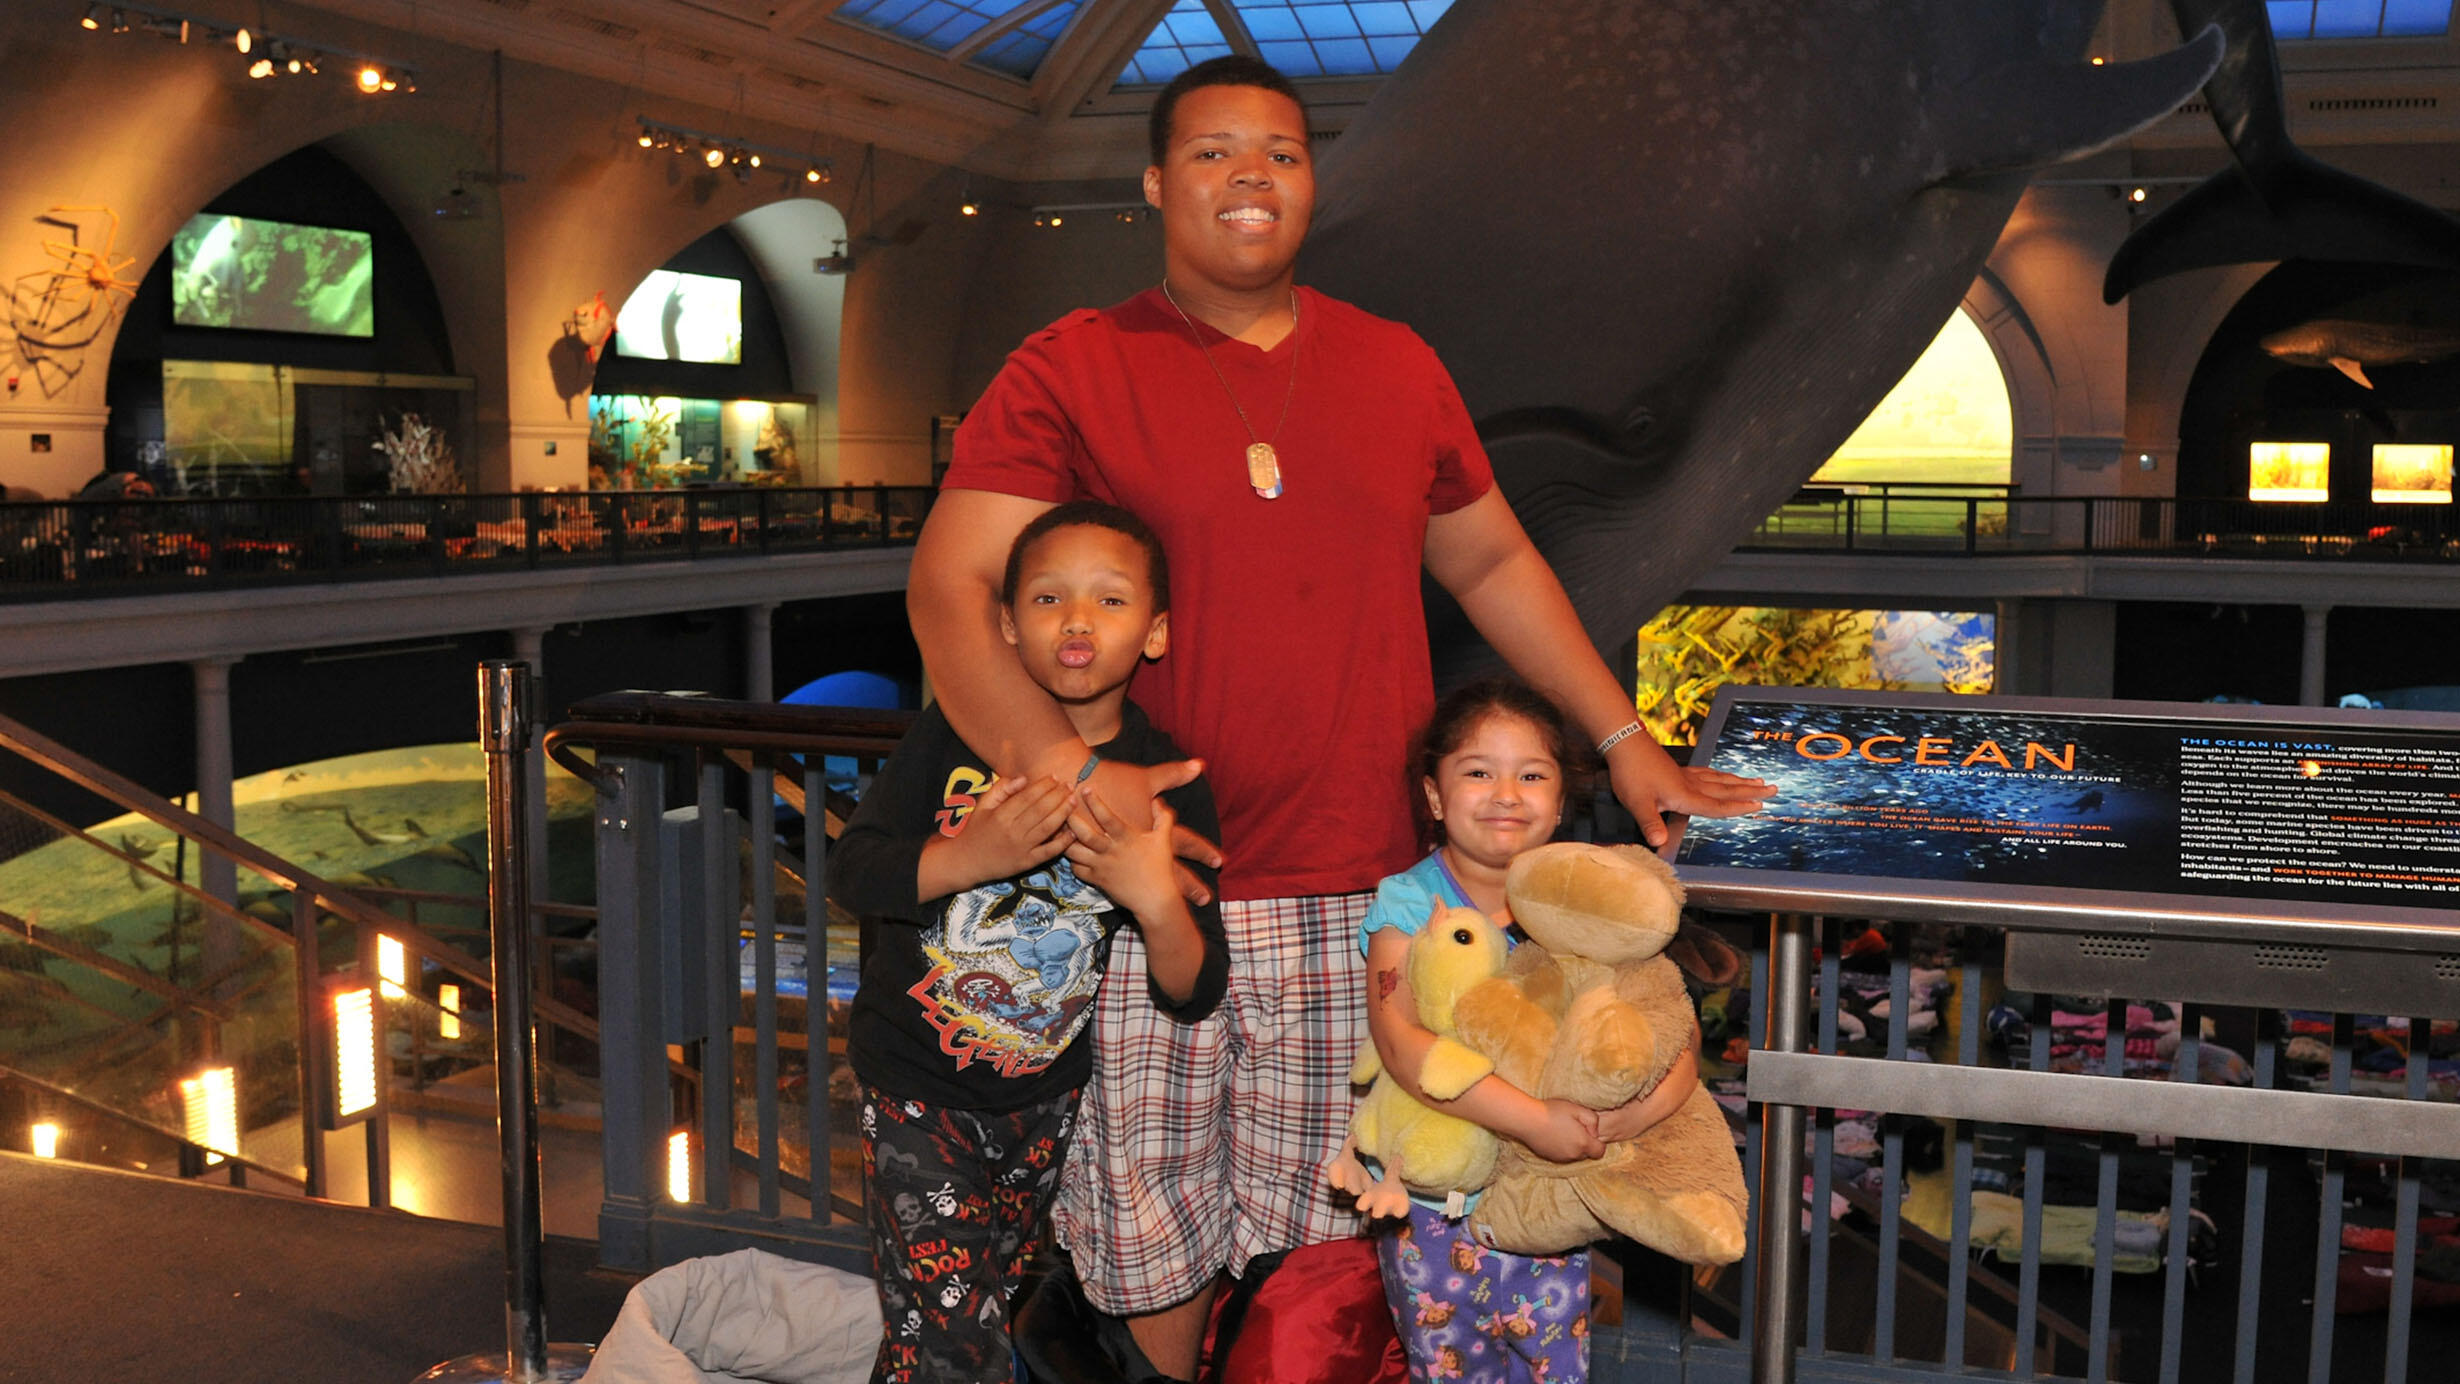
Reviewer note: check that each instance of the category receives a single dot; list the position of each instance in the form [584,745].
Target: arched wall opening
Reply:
[724,364]
[288,323]
[2376,432]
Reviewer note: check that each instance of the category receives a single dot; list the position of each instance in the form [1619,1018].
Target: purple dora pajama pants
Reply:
[1475,1314]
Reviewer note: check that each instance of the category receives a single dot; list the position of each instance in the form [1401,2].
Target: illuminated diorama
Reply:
[1947,422]
[641,442]
[2412,473]
[2289,472]
[237,427]
[1688,652]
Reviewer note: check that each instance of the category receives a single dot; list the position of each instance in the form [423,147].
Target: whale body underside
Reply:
[2351,345]
[1674,253]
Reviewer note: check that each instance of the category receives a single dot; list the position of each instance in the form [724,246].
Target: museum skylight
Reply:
[1304,38]
[1010,36]
[2303,19]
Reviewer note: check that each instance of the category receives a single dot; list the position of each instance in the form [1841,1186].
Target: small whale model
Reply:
[2350,347]
[1674,253]
[383,838]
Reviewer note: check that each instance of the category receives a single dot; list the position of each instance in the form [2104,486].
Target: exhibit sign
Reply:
[2103,806]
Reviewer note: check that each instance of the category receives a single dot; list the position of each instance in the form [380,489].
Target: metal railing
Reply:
[703,906]
[123,975]
[85,548]
[1988,524]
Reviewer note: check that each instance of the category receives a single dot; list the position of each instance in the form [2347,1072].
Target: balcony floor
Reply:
[122,1276]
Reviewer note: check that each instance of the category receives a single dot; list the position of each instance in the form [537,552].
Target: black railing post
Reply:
[879,507]
[435,532]
[691,523]
[533,508]
[618,525]
[760,509]
[1779,1292]
[504,736]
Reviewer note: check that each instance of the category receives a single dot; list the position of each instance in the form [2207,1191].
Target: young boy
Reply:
[988,907]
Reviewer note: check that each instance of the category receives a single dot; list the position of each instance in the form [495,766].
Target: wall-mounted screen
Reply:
[1689,653]
[2409,473]
[271,276]
[676,316]
[2289,472]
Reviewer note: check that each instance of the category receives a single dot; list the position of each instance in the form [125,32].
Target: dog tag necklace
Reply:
[1263,463]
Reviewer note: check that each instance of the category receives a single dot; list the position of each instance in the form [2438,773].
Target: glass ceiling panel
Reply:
[1304,38]
[935,24]
[1020,51]
[2304,19]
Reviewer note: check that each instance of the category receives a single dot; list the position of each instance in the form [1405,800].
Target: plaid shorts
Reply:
[1200,1146]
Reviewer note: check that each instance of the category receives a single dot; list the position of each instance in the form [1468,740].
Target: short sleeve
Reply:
[1018,438]
[1401,902]
[1462,471]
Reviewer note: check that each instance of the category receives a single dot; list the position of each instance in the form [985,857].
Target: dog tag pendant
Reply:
[1264,470]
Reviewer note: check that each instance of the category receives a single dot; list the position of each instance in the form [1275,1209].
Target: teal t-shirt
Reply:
[1408,899]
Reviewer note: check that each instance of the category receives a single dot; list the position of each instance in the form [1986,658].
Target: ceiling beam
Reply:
[1007,23]
[1093,53]
[1233,28]
[791,18]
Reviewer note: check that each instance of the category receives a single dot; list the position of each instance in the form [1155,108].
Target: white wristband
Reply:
[1617,738]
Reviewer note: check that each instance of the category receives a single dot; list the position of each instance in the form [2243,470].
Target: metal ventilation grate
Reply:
[2447,968]
[2105,946]
[596,25]
[2291,958]
[2372,103]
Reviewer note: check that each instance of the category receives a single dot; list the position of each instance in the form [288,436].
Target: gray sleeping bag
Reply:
[749,1317]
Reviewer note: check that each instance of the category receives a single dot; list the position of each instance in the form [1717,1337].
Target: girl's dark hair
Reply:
[1460,712]
[1231,69]
[1089,514]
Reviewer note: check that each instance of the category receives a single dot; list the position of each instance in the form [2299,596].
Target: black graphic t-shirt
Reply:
[976,1001]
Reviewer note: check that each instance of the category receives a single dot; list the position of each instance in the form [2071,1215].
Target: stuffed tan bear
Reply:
[1458,950]
[1593,1012]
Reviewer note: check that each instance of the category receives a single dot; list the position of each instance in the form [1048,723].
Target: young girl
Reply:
[1493,765]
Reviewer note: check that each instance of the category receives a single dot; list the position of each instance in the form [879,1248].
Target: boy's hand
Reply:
[1567,1134]
[1016,824]
[1135,865]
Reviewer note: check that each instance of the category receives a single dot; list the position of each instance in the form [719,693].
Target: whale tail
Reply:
[2287,206]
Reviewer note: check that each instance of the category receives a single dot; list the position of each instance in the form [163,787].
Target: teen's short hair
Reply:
[1232,69]
[1089,514]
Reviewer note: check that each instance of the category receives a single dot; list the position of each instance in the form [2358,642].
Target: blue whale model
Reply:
[1675,252]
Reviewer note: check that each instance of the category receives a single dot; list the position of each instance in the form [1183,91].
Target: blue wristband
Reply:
[1092,762]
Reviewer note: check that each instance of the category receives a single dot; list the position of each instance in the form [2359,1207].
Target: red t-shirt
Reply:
[1298,657]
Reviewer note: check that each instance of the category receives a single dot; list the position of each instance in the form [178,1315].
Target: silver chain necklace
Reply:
[1263,463]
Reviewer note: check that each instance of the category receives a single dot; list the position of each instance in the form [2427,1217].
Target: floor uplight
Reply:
[210,1104]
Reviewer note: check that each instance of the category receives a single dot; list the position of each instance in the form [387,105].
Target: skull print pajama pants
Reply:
[956,1200]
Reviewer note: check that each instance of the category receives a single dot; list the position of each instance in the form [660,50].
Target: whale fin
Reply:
[2021,116]
[2290,206]
[2353,370]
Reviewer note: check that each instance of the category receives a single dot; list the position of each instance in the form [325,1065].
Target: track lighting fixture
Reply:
[91,19]
[716,157]
[266,53]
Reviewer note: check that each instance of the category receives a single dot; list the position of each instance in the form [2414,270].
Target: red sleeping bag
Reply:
[1316,1315]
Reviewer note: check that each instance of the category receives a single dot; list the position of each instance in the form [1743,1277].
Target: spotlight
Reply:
[1127,218]
[119,21]
[647,139]
[813,175]
[2138,194]
[969,207]
[716,157]
[262,67]
[371,78]
[754,160]
[1042,221]
[91,19]
[1057,219]
[243,41]
[294,67]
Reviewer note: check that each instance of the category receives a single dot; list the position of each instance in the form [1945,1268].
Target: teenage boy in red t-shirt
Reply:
[1301,461]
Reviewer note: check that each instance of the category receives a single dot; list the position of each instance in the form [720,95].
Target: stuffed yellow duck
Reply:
[1458,949]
